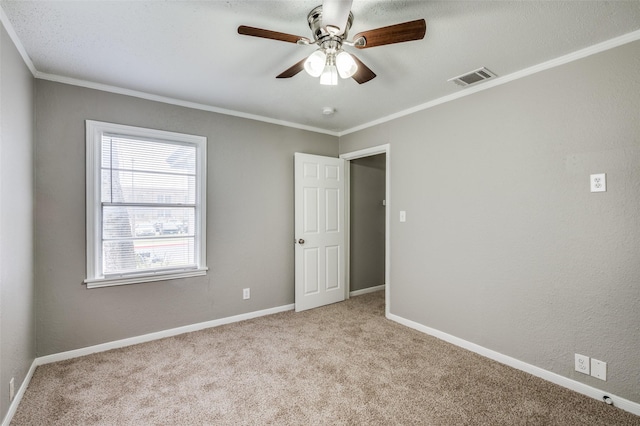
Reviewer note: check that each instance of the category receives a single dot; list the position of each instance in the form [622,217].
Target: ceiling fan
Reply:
[329,24]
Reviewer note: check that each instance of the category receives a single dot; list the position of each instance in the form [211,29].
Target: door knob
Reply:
[300,241]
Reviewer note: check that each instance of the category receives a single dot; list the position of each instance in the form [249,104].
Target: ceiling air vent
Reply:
[473,77]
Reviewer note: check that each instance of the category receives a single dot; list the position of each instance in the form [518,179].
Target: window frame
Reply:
[94,132]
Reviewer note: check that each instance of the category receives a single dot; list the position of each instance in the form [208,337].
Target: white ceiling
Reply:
[190,50]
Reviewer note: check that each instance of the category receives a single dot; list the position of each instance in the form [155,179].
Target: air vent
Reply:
[473,77]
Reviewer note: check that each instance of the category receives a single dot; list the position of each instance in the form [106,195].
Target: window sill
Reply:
[144,278]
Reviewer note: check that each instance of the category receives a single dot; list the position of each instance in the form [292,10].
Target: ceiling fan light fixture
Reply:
[315,63]
[329,76]
[346,65]
[330,23]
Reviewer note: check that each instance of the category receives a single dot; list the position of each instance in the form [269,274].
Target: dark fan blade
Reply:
[363,74]
[290,72]
[273,35]
[413,30]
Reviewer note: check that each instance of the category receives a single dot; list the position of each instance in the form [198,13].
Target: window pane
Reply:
[138,171]
[118,256]
[137,222]
[128,186]
[143,155]
[106,196]
[116,223]
[148,254]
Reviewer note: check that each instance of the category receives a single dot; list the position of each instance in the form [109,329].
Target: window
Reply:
[145,205]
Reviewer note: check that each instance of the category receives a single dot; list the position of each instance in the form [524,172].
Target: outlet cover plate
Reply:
[599,182]
[582,364]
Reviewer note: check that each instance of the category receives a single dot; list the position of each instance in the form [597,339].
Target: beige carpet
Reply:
[343,364]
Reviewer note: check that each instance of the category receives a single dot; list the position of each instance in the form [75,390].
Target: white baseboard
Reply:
[366,290]
[622,403]
[18,396]
[158,335]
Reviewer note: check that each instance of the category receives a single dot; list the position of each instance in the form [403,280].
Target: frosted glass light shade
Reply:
[329,76]
[346,65]
[315,63]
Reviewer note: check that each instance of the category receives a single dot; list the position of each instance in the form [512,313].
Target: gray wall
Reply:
[504,245]
[249,220]
[17,316]
[366,239]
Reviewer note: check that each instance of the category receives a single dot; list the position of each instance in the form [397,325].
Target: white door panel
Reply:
[319,231]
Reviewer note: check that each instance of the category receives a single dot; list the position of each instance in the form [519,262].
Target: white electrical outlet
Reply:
[582,364]
[403,216]
[599,369]
[246,293]
[599,182]
[12,390]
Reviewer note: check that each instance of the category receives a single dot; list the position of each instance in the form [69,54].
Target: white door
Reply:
[319,231]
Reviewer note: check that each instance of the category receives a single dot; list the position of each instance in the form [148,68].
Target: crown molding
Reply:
[143,95]
[177,102]
[574,56]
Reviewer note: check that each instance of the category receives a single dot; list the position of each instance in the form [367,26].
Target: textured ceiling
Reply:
[190,50]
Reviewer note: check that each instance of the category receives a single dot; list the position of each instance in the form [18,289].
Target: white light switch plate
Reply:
[599,182]
[403,216]
[599,369]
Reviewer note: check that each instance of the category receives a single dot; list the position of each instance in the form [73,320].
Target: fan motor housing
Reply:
[320,33]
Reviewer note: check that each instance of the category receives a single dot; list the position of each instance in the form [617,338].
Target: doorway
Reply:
[371,163]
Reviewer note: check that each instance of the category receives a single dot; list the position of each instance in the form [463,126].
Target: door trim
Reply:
[367,152]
